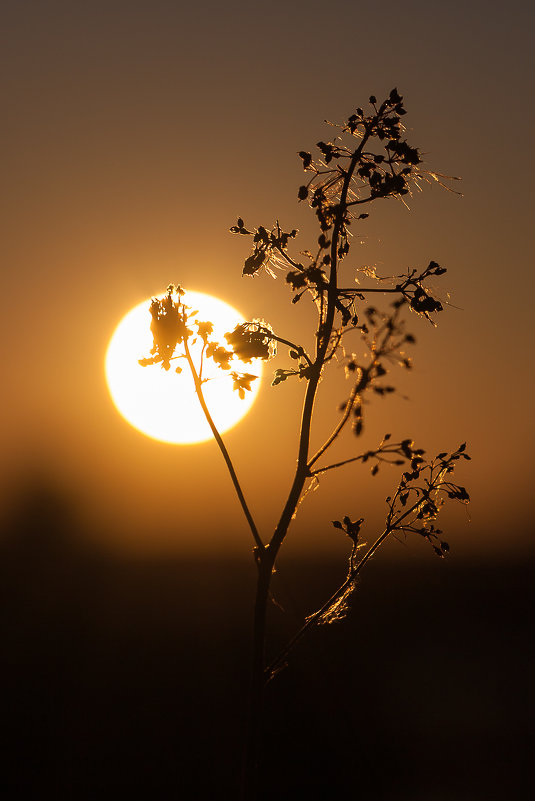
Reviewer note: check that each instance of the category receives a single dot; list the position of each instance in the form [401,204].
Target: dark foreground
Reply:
[130,677]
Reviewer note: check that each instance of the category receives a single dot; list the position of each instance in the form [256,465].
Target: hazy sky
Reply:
[134,135]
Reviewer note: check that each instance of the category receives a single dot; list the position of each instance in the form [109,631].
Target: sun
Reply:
[163,404]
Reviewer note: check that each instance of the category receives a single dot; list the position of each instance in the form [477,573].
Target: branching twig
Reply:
[424,508]
[223,449]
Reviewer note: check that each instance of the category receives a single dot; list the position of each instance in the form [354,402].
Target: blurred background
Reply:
[134,135]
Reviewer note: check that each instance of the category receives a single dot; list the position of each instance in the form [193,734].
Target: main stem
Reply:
[249,786]
[267,557]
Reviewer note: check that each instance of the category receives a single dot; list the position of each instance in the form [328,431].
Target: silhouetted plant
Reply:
[369,160]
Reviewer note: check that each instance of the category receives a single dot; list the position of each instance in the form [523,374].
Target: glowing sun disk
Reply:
[163,404]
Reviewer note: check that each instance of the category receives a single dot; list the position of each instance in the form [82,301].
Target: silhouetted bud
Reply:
[406,447]
[252,341]
[254,262]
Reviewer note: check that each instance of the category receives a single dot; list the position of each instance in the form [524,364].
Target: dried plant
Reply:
[369,160]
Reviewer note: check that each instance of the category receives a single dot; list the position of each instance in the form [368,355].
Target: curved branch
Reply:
[299,350]
[357,290]
[345,417]
[368,199]
[377,454]
[289,259]
[311,621]
[225,453]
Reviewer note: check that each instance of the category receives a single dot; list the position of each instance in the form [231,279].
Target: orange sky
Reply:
[135,134]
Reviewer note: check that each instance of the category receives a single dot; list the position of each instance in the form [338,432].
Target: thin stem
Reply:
[356,290]
[289,259]
[222,448]
[298,348]
[313,619]
[201,362]
[345,417]
[377,454]
[362,200]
